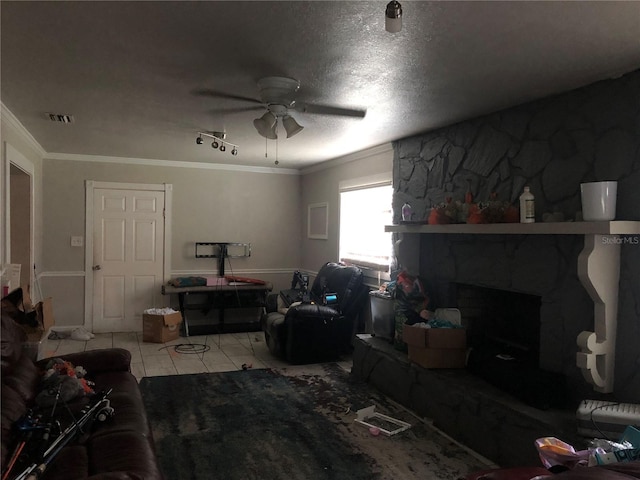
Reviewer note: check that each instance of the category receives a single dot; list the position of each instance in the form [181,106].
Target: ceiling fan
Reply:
[278,98]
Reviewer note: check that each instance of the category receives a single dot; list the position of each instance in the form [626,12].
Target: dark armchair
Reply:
[314,331]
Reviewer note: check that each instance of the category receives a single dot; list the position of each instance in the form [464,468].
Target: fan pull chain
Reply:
[276,162]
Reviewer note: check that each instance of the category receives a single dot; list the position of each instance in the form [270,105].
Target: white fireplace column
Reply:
[599,272]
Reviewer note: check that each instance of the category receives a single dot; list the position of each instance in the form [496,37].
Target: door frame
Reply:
[14,157]
[90,186]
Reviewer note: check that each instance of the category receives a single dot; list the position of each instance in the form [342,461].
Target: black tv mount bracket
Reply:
[221,250]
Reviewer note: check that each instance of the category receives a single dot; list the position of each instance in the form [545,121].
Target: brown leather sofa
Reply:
[615,471]
[120,448]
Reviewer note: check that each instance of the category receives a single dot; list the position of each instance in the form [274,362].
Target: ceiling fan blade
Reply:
[237,109]
[329,110]
[206,92]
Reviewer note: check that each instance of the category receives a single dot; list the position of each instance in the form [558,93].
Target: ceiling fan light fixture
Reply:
[266,125]
[393,17]
[214,144]
[222,148]
[291,126]
[199,140]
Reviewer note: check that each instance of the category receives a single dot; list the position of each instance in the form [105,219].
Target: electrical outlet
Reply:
[77,241]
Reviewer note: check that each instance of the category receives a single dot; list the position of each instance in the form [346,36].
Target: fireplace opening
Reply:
[503,333]
[501,321]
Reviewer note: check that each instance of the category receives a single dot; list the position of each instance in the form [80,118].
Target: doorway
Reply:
[18,225]
[20,221]
[127,253]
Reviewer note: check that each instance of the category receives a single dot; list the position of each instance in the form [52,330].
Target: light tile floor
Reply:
[224,353]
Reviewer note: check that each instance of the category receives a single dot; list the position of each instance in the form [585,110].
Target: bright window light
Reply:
[363,214]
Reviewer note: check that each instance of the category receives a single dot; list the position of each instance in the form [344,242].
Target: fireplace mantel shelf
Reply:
[598,270]
[552,228]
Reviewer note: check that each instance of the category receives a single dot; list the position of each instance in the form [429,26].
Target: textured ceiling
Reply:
[127,71]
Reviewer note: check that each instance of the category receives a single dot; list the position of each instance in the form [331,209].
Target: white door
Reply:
[128,246]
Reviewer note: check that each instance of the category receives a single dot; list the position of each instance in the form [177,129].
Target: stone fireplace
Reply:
[541,274]
[552,145]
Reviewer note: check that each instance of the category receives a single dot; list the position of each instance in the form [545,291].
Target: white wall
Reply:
[208,206]
[265,209]
[321,184]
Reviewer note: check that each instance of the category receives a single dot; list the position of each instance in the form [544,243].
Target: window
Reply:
[364,211]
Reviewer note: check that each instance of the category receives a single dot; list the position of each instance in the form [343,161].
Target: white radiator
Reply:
[597,418]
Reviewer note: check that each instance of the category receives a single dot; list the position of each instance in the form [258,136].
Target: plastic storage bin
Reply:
[383,317]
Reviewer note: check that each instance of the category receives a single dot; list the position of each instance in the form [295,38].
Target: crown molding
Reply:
[385,148]
[168,163]
[12,121]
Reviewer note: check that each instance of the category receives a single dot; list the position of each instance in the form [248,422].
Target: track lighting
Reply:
[218,141]
[393,17]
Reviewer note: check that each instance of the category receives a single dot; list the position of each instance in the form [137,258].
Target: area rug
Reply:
[292,423]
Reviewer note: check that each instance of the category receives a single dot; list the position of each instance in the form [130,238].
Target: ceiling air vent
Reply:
[60,118]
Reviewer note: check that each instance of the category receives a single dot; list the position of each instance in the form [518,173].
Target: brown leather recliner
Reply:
[120,448]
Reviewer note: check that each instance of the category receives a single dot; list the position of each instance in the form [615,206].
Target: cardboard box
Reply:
[438,357]
[161,328]
[436,347]
[44,315]
[434,337]
[44,310]
[36,321]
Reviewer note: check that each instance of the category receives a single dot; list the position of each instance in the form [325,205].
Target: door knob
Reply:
[96,267]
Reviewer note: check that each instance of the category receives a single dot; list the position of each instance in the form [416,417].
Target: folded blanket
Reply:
[188,282]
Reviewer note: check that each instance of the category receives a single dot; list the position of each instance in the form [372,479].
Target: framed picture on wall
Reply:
[318,221]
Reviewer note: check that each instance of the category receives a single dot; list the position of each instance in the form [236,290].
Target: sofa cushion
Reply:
[126,400]
[139,461]
[72,463]
[101,458]
[97,361]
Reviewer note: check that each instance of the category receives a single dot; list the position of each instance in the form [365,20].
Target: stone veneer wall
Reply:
[552,145]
